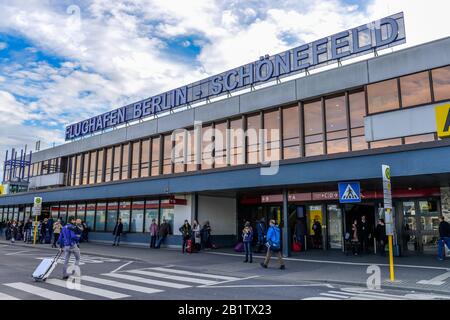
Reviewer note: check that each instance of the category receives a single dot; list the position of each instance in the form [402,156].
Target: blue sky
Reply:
[63,61]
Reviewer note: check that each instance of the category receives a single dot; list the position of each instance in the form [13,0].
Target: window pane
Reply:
[116,166]
[100,217]
[179,151]
[220,145]
[207,146]
[145,153]
[71,211]
[314,149]
[63,213]
[125,161]
[419,138]
[236,142]
[99,166]
[357,104]
[253,127]
[415,89]
[336,146]
[111,218]
[137,216]
[441,83]
[191,157]
[291,140]
[272,135]
[151,212]
[135,160]
[92,167]
[167,212]
[78,170]
[167,156]
[313,118]
[336,115]
[90,215]
[109,154]
[155,156]
[124,214]
[54,210]
[386,143]
[383,96]
[81,210]
[85,164]
[359,143]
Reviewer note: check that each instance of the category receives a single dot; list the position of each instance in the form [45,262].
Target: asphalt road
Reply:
[104,277]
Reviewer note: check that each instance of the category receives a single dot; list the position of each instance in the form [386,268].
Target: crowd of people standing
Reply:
[46,231]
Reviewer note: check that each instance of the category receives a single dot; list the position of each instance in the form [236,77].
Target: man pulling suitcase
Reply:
[68,242]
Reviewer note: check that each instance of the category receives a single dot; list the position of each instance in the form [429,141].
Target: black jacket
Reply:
[444,229]
[118,229]
[380,232]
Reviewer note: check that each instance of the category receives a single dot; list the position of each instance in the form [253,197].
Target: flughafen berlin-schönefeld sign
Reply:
[380,34]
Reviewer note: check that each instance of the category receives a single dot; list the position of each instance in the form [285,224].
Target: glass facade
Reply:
[124,214]
[90,215]
[137,216]
[383,96]
[415,89]
[441,83]
[313,128]
[111,217]
[151,212]
[100,216]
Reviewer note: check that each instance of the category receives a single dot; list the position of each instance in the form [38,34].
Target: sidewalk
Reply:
[314,266]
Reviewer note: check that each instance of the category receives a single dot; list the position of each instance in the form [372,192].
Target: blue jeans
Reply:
[160,241]
[442,241]
[117,239]
[248,250]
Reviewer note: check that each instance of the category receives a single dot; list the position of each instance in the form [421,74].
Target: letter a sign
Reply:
[349,192]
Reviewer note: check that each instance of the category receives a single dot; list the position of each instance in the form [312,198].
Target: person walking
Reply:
[68,242]
[118,229]
[164,230]
[28,231]
[153,233]
[355,238]
[380,236]
[43,231]
[49,234]
[19,236]
[273,244]
[185,231]
[299,232]
[444,238]
[247,239]
[13,229]
[85,233]
[196,230]
[261,231]
[57,226]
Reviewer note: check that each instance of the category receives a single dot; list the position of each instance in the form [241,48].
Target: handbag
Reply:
[296,246]
[239,247]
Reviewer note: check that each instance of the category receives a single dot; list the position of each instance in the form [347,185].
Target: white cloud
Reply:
[3,45]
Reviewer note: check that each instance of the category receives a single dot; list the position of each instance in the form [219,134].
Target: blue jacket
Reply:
[273,235]
[68,237]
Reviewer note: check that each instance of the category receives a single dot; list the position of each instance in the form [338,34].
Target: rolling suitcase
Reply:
[45,268]
[189,246]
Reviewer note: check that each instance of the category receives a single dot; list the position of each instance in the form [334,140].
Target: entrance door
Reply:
[355,212]
[335,238]
[421,225]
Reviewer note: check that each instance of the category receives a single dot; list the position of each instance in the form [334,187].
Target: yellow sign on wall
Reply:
[2,190]
[443,120]
[315,213]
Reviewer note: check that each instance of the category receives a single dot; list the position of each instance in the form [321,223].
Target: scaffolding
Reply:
[16,170]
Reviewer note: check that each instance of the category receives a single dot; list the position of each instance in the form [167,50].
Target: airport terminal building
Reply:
[340,124]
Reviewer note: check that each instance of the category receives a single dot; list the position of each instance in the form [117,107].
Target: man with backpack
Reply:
[273,245]
[68,242]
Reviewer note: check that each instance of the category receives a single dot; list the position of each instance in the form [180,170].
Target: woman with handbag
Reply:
[247,238]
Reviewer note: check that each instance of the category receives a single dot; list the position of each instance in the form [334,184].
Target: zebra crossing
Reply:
[85,259]
[113,285]
[367,294]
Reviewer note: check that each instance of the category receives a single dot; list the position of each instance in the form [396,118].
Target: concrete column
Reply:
[445,203]
[286,249]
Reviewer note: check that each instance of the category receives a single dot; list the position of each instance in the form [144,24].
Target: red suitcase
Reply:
[189,246]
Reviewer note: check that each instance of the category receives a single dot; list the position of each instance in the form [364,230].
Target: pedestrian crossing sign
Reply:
[349,192]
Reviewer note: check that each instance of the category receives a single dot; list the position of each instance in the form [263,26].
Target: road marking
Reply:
[319,298]
[121,285]
[147,281]
[4,296]
[334,295]
[436,281]
[171,277]
[204,275]
[48,294]
[268,285]
[124,265]
[371,294]
[335,262]
[17,252]
[88,289]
